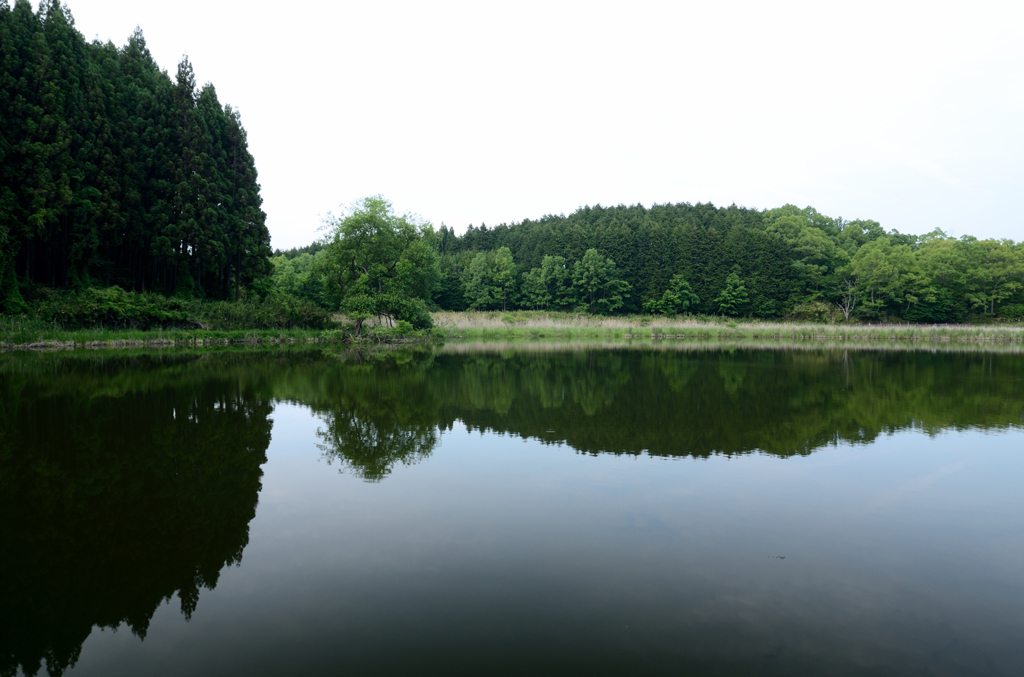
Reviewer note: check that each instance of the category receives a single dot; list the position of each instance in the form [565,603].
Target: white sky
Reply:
[909,113]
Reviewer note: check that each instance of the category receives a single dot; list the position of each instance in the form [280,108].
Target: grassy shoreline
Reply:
[546,325]
[156,338]
[517,325]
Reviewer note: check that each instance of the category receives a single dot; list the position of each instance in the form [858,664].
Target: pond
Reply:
[646,508]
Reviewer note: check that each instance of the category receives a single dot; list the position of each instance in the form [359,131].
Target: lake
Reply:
[540,508]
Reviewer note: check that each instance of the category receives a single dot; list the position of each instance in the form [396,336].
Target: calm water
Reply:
[513,509]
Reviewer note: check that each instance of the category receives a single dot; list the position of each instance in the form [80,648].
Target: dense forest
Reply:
[114,174]
[702,259]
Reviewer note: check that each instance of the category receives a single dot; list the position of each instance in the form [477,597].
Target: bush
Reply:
[400,330]
[1012,311]
[814,311]
[112,308]
[273,312]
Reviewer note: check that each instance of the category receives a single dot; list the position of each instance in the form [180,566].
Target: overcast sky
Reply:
[909,113]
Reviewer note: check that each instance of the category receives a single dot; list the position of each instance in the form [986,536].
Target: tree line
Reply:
[731,261]
[681,258]
[114,174]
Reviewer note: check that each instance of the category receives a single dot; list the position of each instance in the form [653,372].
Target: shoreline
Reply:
[526,326]
[748,339]
[543,325]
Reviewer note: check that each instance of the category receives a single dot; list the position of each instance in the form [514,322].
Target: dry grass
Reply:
[539,324]
[504,346]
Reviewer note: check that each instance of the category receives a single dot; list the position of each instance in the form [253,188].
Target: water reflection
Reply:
[128,479]
[663,403]
[119,488]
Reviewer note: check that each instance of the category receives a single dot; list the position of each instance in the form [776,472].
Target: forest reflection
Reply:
[126,479]
[122,483]
[668,403]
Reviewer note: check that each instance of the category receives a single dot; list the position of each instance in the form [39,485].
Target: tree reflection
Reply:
[369,444]
[664,403]
[112,505]
[128,479]
[375,410]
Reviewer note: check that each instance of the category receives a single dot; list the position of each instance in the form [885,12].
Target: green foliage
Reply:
[1012,311]
[814,311]
[297,276]
[533,291]
[549,286]
[113,174]
[678,298]
[379,264]
[115,308]
[272,312]
[790,257]
[479,286]
[733,300]
[490,282]
[596,284]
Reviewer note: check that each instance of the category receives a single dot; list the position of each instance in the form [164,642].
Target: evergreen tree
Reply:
[110,173]
[733,299]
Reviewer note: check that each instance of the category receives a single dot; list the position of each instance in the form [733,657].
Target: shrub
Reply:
[273,312]
[814,311]
[112,308]
[1012,311]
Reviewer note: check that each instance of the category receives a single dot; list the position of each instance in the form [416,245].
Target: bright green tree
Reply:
[533,292]
[557,279]
[678,298]
[733,299]
[379,264]
[490,282]
[597,285]
[890,277]
[994,272]
[503,273]
[479,286]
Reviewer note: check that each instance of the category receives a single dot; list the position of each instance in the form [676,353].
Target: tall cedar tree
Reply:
[113,174]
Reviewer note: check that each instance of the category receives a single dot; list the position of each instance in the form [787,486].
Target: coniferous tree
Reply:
[112,174]
[733,299]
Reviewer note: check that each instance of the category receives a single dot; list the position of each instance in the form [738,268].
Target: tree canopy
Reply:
[113,173]
[379,264]
[702,259]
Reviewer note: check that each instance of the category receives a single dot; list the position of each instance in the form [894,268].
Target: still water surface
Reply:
[513,509]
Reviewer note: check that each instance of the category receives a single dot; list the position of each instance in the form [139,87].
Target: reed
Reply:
[22,333]
[544,325]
